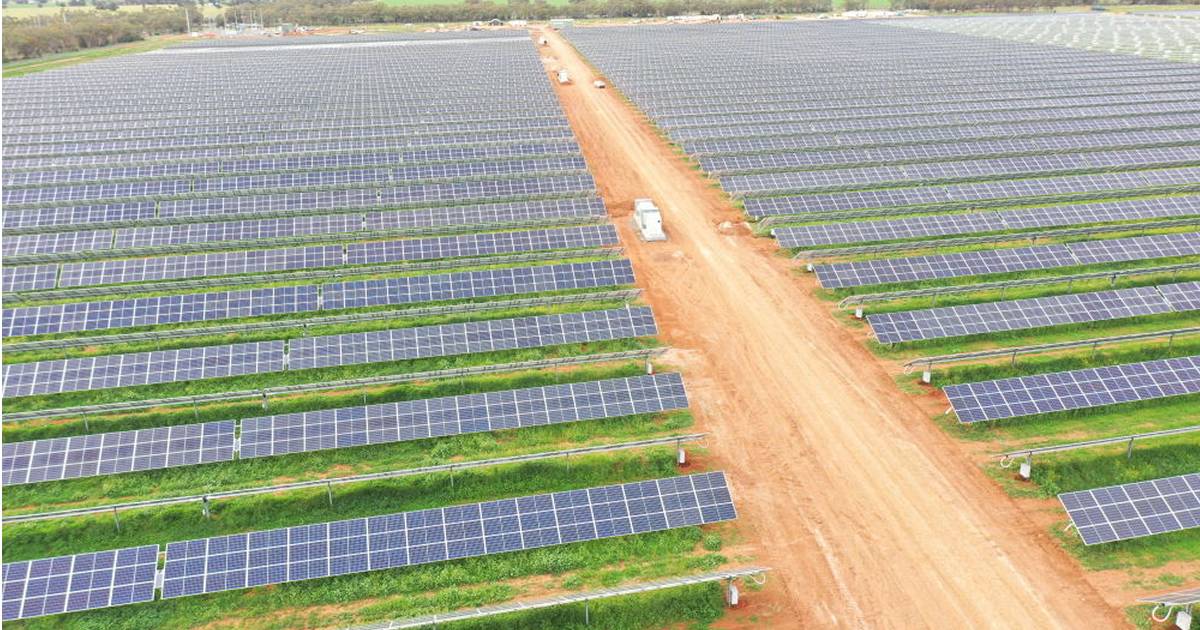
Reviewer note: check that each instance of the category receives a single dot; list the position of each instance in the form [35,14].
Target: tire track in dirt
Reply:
[869,514]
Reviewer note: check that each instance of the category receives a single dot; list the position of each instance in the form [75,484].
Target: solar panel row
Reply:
[287,181]
[900,137]
[1017,191]
[48,586]
[179,201]
[202,307]
[142,368]
[93,455]
[211,565]
[482,214]
[993,261]
[190,364]
[156,311]
[1135,510]
[963,170]
[1074,389]
[116,171]
[1058,310]
[454,415]
[182,266]
[978,222]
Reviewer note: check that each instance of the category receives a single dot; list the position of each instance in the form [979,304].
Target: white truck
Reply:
[647,218]
[563,77]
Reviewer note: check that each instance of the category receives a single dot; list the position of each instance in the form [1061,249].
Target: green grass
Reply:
[62,60]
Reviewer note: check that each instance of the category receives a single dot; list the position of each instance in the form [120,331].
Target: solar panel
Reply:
[984,262]
[1075,389]
[211,565]
[29,277]
[57,242]
[1182,297]
[142,368]
[1057,310]
[119,452]
[85,581]
[1175,598]
[1135,510]
[455,415]
[477,284]
[78,215]
[406,344]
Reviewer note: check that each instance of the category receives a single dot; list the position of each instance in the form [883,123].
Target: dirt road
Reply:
[869,514]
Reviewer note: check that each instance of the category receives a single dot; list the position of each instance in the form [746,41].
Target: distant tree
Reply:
[855,5]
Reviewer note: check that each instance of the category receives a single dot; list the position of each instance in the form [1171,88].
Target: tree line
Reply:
[341,12]
[27,38]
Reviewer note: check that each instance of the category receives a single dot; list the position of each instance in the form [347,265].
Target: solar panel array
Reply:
[212,565]
[1126,34]
[945,122]
[96,454]
[202,164]
[255,148]
[85,581]
[1057,310]
[205,307]
[1135,510]
[984,262]
[191,364]
[1075,389]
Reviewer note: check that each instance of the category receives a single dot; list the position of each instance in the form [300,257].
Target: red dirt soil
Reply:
[868,513]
